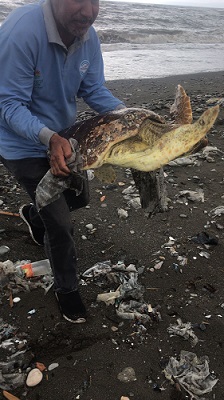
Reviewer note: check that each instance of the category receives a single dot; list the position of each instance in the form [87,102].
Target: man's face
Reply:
[75,16]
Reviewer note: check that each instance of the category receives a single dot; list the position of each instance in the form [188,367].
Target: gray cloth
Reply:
[51,186]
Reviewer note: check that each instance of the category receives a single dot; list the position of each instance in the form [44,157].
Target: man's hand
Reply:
[60,150]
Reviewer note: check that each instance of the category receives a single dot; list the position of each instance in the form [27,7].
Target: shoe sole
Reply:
[29,227]
[79,320]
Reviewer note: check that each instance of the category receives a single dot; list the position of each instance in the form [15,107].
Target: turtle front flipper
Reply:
[181,109]
[105,173]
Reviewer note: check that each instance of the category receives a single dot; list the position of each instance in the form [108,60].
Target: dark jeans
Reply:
[55,218]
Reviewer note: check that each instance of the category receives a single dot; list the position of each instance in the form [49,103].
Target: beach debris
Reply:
[34,377]
[9,396]
[192,195]
[183,329]
[99,268]
[9,213]
[128,297]
[109,298]
[204,238]
[217,211]
[191,373]
[17,355]
[124,398]
[40,366]
[206,153]
[123,214]
[15,281]
[204,254]
[127,375]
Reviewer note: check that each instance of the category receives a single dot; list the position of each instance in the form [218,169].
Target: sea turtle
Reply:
[139,138]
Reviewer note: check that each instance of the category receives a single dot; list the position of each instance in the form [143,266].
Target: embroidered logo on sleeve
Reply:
[38,81]
[83,67]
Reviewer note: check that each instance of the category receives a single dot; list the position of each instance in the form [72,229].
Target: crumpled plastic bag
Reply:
[184,330]
[192,373]
[50,187]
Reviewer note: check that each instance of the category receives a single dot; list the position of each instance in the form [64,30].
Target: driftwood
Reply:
[152,190]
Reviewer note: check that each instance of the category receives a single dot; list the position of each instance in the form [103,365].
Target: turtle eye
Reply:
[202,122]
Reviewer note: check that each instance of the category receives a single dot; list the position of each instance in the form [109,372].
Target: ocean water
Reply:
[153,41]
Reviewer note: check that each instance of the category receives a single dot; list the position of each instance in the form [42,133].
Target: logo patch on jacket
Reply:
[38,81]
[83,67]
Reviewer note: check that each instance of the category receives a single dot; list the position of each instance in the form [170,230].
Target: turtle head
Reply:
[208,118]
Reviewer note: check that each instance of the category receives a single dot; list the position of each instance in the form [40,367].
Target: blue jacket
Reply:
[40,79]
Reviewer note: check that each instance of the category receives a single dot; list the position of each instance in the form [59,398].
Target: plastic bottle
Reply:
[35,268]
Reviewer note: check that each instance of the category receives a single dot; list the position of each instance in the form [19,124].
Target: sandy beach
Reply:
[183,283]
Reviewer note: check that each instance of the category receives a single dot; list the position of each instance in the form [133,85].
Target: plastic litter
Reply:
[36,268]
[204,238]
[50,187]
[217,211]
[192,373]
[184,330]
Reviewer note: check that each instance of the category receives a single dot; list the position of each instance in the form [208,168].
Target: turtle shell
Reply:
[98,134]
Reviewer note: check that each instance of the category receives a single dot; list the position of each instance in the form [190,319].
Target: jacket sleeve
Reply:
[16,84]
[92,88]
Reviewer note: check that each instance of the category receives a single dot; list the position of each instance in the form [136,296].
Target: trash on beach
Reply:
[50,187]
[192,195]
[9,277]
[40,366]
[34,377]
[127,375]
[194,159]
[99,268]
[9,396]
[204,238]
[128,297]
[183,329]
[217,211]
[192,373]
[140,311]
[123,214]
[109,298]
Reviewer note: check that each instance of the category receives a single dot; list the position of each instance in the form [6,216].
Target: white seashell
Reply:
[53,366]
[16,299]
[34,377]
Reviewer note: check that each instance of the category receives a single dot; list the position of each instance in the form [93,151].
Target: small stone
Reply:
[183,216]
[89,227]
[127,375]
[34,377]
[4,250]
[16,300]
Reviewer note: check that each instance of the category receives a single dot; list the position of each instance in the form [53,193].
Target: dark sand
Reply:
[90,356]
